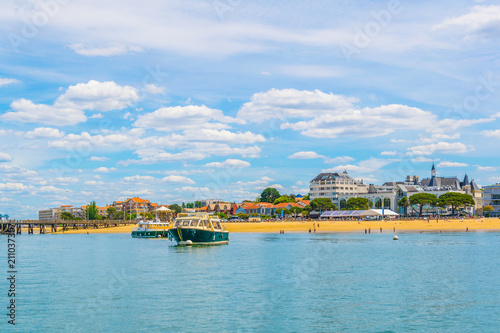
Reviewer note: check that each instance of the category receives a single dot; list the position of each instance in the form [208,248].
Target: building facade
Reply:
[492,198]
[340,187]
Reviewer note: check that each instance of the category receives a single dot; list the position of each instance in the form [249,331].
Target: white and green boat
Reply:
[198,229]
[151,229]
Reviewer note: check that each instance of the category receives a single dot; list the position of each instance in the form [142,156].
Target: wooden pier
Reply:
[52,226]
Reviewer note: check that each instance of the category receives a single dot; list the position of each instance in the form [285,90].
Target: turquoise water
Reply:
[259,282]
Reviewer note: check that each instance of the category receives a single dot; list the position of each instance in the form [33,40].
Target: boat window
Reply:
[185,223]
[177,223]
[194,223]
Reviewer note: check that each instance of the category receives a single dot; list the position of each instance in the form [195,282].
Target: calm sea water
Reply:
[259,282]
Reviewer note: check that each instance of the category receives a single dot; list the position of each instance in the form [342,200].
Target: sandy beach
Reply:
[443,225]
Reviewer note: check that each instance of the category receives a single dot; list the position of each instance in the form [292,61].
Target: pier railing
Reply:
[42,226]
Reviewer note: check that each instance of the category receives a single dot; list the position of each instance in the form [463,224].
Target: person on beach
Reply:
[309,230]
[369,230]
[366,231]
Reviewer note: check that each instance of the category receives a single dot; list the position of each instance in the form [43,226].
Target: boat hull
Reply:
[192,236]
[150,234]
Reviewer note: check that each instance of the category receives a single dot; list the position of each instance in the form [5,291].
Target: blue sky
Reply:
[180,100]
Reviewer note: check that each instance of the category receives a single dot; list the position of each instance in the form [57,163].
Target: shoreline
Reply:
[401,226]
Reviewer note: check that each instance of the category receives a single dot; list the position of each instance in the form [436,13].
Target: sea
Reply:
[429,282]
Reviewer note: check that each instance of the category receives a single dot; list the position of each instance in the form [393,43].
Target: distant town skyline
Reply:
[187,100]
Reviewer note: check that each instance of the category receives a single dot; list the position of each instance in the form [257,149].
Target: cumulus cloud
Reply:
[26,111]
[486,169]
[93,182]
[5,81]
[104,170]
[440,147]
[44,132]
[388,153]
[492,133]
[321,115]
[229,163]
[303,155]
[15,187]
[366,166]
[138,178]
[4,157]
[153,89]
[446,164]
[169,119]
[68,108]
[176,179]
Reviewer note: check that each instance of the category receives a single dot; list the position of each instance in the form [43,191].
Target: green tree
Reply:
[358,204]
[455,200]
[284,210]
[119,215]
[197,204]
[66,216]
[190,205]
[111,213]
[306,197]
[488,209]
[404,202]
[176,208]
[422,199]
[283,199]
[183,205]
[322,204]
[91,211]
[269,195]
[296,211]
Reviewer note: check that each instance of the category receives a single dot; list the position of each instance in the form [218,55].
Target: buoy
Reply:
[189,242]
[395,237]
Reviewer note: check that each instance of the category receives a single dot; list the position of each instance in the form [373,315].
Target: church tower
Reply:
[433,171]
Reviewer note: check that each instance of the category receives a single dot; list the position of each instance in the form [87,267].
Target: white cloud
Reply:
[68,108]
[302,155]
[15,187]
[96,116]
[151,156]
[51,190]
[93,182]
[292,103]
[481,20]
[103,51]
[440,147]
[169,119]
[229,163]
[388,153]
[44,132]
[66,180]
[446,164]
[104,170]
[4,157]
[4,81]
[26,111]
[339,159]
[492,133]
[95,95]
[420,159]
[99,158]
[495,180]
[154,89]
[138,178]
[176,179]
[486,169]
[323,115]
[366,166]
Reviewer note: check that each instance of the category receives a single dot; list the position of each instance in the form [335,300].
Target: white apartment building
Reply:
[492,198]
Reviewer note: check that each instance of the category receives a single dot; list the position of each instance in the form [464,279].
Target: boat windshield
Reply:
[194,223]
[185,223]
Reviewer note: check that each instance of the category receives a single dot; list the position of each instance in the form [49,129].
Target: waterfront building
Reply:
[340,187]
[492,198]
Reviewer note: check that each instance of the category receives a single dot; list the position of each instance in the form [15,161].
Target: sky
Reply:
[176,101]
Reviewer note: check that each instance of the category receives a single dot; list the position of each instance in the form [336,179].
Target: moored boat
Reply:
[198,229]
[151,229]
